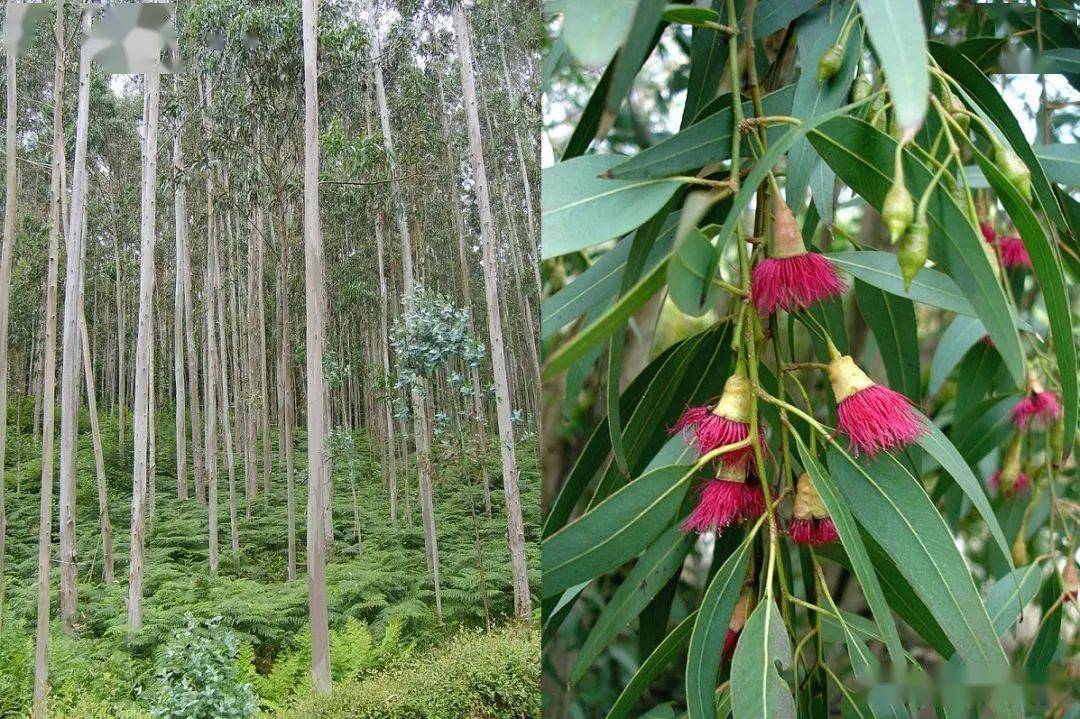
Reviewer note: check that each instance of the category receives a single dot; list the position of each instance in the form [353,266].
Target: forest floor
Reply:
[384,630]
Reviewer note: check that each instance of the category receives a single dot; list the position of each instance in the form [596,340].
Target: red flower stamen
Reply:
[793,283]
[723,502]
[1020,486]
[1014,253]
[878,418]
[1039,409]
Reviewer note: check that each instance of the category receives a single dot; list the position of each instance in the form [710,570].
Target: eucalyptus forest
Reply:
[269,375]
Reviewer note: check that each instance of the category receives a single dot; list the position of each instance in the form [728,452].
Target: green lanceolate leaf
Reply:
[706,142]
[690,15]
[1010,594]
[599,284]
[708,57]
[818,31]
[1046,263]
[594,29]
[896,29]
[657,565]
[651,668]
[580,208]
[881,270]
[988,99]
[772,15]
[855,549]
[961,335]
[986,426]
[691,259]
[615,531]
[893,508]
[1061,162]
[940,448]
[757,689]
[892,320]
[645,23]
[710,629]
[609,322]
[1045,646]
[862,156]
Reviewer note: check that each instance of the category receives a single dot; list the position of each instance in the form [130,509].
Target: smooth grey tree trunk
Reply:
[316,382]
[48,380]
[72,349]
[515,523]
[143,346]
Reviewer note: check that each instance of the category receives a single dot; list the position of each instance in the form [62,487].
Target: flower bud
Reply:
[829,63]
[1014,169]
[898,210]
[862,88]
[1011,466]
[957,111]
[1057,439]
[914,249]
[673,326]
[1019,550]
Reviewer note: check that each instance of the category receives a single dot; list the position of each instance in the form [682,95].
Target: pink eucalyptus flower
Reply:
[791,278]
[726,423]
[873,417]
[1014,253]
[1039,409]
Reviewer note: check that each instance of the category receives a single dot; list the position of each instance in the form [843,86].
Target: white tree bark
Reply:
[316,382]
[147,229]
[48,398]
[515,523]
[419,404]
[10,208]
[72,349]
[180,208]
[107,568]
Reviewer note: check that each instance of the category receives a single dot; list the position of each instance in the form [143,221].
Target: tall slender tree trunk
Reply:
[264,405]
[385,357]
[10,208]
[72,350]
[218,301]
[288,410]
[419,406]
[466,294]
[514,521]
[211,391]
[180,207]
[316,382]
[183,268]
[143,346]
[107,568]
[48,381]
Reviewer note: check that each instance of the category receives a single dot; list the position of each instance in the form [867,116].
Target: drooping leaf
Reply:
[654,568]
[710,629]
[757,689]
[772,15]
[1061,162]
[599,284]
[1010,594]
[651,668]
[855,549]
[615,531]
[896,29]
[594,29]
[892,321]
[893,508]
[881,270]
[938,446]
[708,58]
[644,25]
[962,333]
[580,208]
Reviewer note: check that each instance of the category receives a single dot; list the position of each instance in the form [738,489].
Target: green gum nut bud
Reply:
[862,88]
[1019,550]
[673,325]
[1057,438]
[829,63]
[898,210]
[1015,170]
[914,249]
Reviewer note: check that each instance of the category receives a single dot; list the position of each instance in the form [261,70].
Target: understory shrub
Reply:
[474,676]
[198,676]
